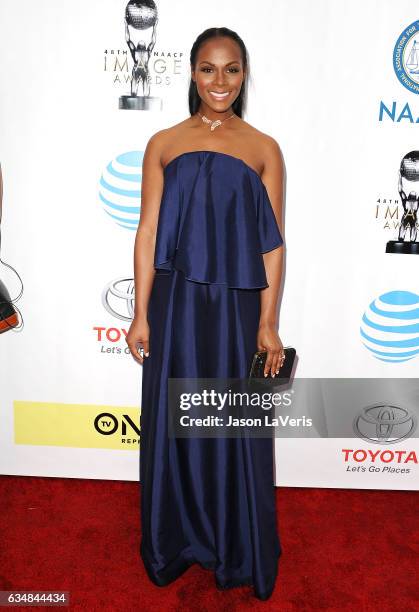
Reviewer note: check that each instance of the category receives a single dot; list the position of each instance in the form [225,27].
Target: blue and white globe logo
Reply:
[120,189]
[406,57]
[390,326]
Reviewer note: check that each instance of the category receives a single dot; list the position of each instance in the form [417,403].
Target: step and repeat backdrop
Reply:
[336,83]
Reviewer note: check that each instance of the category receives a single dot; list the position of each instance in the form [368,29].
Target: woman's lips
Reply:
[219,96]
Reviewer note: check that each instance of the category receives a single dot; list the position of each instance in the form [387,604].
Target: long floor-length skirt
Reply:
[204,500]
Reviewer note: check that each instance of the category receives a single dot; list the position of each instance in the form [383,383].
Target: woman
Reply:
[208,267]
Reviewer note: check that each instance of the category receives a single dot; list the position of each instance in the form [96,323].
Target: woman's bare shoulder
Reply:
[263,142]
[161,141]
[262,148]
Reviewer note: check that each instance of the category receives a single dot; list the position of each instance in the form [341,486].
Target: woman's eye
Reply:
[206,68]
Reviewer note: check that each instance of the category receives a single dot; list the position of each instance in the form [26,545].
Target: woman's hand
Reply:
[268,340]
[138,336]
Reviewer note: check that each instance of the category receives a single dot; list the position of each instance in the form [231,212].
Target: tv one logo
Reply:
[108,424]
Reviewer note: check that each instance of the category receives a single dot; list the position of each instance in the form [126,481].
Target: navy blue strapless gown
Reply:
[209,500]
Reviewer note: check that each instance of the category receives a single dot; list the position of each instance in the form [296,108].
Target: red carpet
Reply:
[342,550]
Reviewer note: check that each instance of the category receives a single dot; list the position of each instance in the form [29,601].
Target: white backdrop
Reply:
[320,71]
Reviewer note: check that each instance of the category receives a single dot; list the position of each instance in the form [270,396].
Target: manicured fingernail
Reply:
[147,354]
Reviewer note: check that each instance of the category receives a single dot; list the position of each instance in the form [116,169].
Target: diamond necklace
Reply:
[215,123]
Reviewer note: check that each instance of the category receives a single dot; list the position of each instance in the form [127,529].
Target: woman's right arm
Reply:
[145,241]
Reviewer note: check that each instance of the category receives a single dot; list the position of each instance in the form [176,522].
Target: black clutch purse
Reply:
[258,365]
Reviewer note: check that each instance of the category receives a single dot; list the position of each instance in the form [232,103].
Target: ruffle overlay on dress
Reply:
[215,221]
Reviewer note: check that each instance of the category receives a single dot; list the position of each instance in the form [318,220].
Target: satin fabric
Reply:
[215,221]
[209,500]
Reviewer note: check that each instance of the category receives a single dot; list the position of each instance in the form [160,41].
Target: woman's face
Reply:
[218,70]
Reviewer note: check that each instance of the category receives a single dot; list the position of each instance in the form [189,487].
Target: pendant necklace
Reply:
[215,123]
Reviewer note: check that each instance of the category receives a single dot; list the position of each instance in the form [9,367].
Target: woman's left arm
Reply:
[268,338]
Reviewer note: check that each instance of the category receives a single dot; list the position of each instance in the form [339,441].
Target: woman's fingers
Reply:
[274,361]
[146,348]
[135,346]
[281,357]
[269,362]
[135,351]
[137,339]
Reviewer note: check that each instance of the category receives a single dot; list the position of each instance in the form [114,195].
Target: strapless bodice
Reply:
[215,221]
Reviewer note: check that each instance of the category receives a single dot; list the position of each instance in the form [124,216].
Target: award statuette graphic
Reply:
[140,25]
[408,184]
